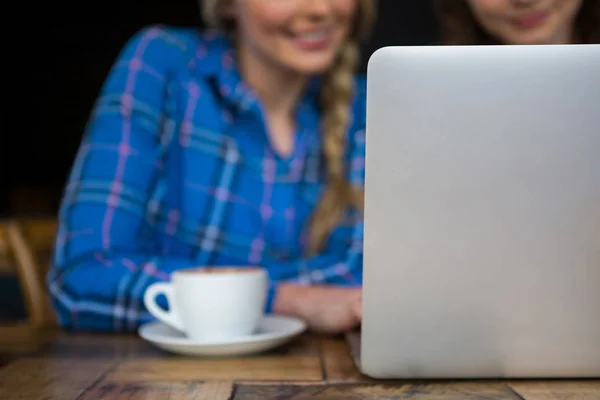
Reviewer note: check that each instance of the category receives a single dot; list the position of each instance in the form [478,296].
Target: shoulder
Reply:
[156,41]
[162,47]
[160,65]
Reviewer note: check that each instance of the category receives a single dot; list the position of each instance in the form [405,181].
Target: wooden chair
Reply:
[25,250]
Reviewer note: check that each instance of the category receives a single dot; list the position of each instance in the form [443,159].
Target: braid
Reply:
[337,94]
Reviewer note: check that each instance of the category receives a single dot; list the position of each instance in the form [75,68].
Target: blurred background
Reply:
[66,60]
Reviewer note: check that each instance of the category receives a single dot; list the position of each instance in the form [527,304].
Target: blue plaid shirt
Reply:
[176,171]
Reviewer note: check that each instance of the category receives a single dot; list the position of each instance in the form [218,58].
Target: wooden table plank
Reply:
[124,366]
[50,379]
[100,346]
[461,390]
[124,346]
[382,391]
[161,391]
[558,390]
[22,338]
[307,345]
[275,368]
[338,365]
[50,364]
[316,392]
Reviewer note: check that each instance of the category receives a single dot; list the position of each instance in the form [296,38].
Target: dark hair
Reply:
[459,26]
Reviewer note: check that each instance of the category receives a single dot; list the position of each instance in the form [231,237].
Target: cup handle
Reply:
[170,317]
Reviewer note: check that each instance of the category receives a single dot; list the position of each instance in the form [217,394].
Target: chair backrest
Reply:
[26,247]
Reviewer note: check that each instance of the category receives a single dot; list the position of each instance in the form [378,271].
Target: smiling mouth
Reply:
[313,40]
[531,20]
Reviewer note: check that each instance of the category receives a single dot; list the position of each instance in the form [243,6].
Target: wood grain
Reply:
[558,390]
[124,366]
[459,391]
[100,346]
[23,338]
[25,249]
[338,365]
[304,345]
[6,260]
[50,379]
[40,231]
[45,363]
[18,332]
[317,392]
[161,391]
[275,368]
[28,272]
[126,346]
[382,391]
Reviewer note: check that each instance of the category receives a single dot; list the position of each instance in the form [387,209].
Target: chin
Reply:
[311,65]
[311,69]
[533,40]
[534,37]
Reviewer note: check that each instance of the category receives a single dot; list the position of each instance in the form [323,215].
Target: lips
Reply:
[531,20]
[312,40]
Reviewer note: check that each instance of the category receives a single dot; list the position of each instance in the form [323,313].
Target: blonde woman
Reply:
[239,146]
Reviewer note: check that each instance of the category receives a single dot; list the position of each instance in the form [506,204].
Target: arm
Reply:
[326,291]
[340,264]
[104,258]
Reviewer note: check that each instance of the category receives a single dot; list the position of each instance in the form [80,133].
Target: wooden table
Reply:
[57,365]
[52,364]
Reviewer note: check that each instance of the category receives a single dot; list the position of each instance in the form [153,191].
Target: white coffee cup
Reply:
[211,304]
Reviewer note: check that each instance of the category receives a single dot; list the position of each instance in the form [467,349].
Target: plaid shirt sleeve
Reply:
[104,258]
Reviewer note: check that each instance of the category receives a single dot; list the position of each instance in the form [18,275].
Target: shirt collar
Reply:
[215,59]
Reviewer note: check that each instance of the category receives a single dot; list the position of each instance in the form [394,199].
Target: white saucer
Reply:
[273,331]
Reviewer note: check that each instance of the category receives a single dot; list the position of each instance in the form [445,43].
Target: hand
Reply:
[326,309]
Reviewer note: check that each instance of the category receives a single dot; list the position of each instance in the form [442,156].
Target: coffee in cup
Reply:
[209,304]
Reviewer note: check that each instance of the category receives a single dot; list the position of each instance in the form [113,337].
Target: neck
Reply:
[278,89]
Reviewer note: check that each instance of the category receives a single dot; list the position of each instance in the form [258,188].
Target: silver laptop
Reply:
[482,219]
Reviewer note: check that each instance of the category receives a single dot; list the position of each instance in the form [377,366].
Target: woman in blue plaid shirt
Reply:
[243,145]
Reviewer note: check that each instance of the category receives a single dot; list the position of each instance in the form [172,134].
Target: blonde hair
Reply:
[336,96]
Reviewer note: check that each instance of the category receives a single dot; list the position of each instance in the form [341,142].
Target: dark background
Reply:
[60,66]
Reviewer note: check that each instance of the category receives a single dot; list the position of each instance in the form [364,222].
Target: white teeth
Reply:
[319,35]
